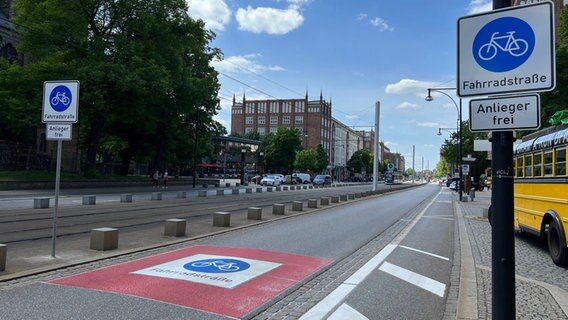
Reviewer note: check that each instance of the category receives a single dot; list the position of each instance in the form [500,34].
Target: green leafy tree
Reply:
[144,72]
[361,160]
[280,152]
[305,160]
[321,159]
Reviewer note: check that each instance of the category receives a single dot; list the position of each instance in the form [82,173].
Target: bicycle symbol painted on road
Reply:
[503,44]
[60,98]
[217,265]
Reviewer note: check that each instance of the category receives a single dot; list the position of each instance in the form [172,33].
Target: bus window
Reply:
[560,163]
[548,163]
[528,165]
[537,157]
[519,171]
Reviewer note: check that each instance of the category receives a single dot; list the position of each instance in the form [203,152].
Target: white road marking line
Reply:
[346,312]
[416,279]
[425,252]
[440,218]
[320,310]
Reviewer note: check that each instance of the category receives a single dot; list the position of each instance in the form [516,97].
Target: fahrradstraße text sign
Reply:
[60,101]
[506,51]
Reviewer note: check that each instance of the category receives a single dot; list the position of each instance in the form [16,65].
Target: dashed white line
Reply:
[346,312]
[414,278]
[425,252]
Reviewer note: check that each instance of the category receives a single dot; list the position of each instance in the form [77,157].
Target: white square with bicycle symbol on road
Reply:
[215,270]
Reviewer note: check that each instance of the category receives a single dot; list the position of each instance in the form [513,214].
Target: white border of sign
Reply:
[70,115]
[541,62]
[479,123]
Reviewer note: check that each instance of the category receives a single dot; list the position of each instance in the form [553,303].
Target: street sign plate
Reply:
[60,101]
[506,51]
[505,113]
[58,131]
[465,169]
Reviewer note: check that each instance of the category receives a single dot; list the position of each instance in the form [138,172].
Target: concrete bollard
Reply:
[181,195]
[156,196]
[221,192]
[285,188]
[258,190]
[126,198]
[357,195]
[248,190]
[334,199]
[175,228]
[3,255]
[227,184]
[254,213]
[89,200]
[268,189]
[278,208]
[221,219]
[306,187]
[309,187]
[312,203]
[217,185]
[485,213]
[235,191]
[343,197]
[324,201]
[297,206]
[202,193]
[104,239]
[364,194]
[351,196]
[41,203]
[278,188]
[238,184]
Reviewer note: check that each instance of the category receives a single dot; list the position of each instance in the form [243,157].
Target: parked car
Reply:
[322,180]
[303,176]
[293,180]
[271,180]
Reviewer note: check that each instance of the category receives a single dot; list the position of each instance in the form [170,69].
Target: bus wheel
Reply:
[556,248]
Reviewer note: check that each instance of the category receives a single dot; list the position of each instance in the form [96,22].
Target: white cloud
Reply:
[269,20]
[477,6]
[407,105]
[416,87]
[362,16]
[381,24]
[215,13]
[351,116]
[425,124]
[242,64]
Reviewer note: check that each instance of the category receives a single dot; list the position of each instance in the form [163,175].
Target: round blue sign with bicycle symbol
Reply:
[60,98]
[503,44]
[217,265]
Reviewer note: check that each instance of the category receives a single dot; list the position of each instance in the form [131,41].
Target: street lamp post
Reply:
[243,153]
[459,111]
[260,165]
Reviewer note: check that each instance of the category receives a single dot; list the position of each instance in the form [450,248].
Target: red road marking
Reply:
[236,302]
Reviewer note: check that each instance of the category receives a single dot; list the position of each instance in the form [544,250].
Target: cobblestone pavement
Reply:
[541,286]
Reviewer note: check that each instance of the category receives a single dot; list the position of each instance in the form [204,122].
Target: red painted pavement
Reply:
[236,302]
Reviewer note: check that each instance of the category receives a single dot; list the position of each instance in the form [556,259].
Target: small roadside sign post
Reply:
[505,51]
[59,111]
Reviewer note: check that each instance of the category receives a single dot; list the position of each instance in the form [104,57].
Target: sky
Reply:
[355,53]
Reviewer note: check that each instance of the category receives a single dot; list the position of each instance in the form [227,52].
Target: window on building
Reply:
[261,108]
[298,119]
[249,130]
[261,119]
[261,131]
[274,107]
[273,129]
[273,119]
[285,119]
[299,106]
[249,108]
[249,120]
[286,107]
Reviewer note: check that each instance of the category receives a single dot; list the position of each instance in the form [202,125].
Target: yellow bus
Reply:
[541,189]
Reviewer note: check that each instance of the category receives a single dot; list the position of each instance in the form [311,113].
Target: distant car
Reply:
[294,180]
[272,181]
[303,176]
[322,180]
[256,179]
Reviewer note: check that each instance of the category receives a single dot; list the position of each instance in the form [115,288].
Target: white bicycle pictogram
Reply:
[60,97]
[514,46]
[219,264]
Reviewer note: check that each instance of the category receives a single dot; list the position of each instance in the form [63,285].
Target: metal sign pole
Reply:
[55,207]
[377,148]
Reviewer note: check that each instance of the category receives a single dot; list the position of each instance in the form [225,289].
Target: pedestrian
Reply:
[155,178]
[165,178]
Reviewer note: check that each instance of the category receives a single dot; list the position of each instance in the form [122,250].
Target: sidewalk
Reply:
[541,286]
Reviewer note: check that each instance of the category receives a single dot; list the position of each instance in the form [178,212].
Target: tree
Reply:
[280,152]
[143,67]
[312,160]
[361,161]
[321,159]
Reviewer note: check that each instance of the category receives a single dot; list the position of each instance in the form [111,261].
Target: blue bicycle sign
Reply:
[60,98]
[217,265]
[503,44]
